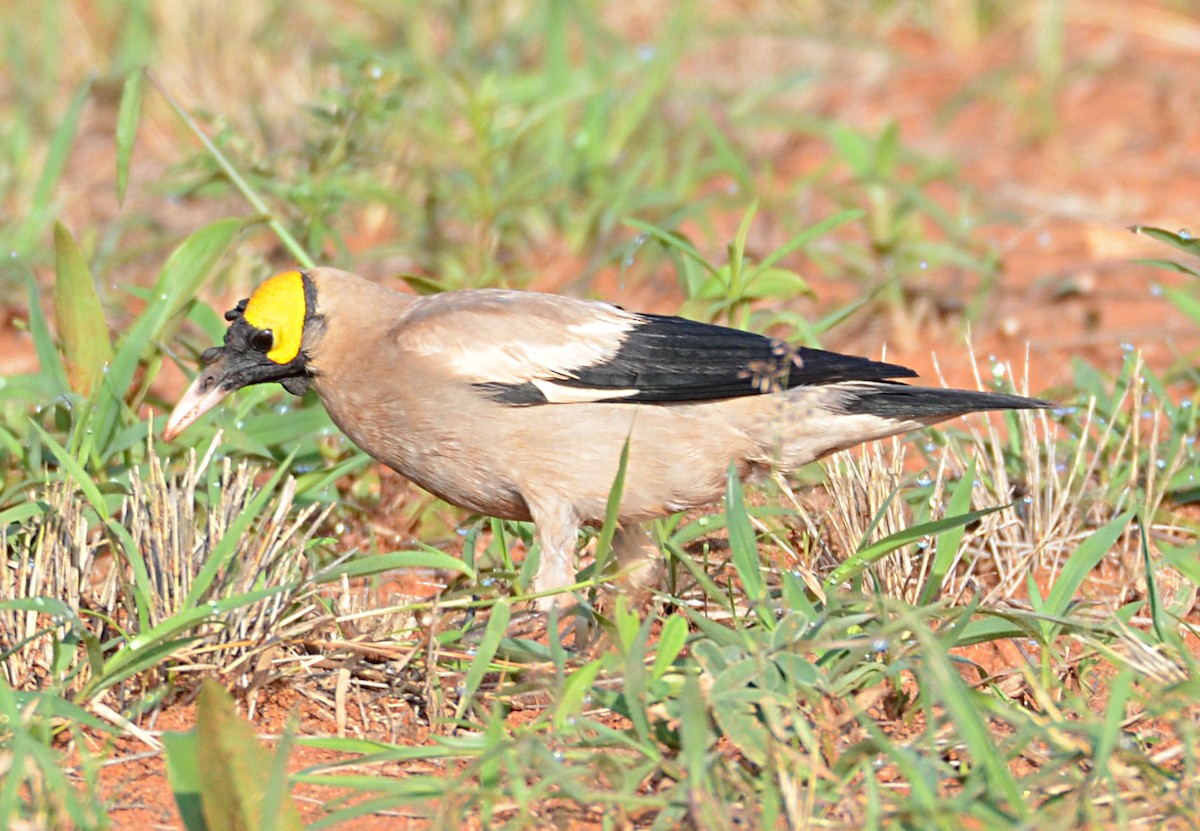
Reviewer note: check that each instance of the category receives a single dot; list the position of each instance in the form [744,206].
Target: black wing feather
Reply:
[673,359]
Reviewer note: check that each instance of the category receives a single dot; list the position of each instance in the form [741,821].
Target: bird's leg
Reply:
[638,556]
[557,531]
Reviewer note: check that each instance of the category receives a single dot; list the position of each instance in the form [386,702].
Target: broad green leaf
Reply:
[854,148]
[670,643]
[82,330]
[183,776]
[777,283]
[234,769]
[575,691]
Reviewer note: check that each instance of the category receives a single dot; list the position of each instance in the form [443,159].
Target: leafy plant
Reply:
[222,777]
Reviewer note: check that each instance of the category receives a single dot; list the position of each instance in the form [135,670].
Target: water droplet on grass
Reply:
[1156,290]
[924,479]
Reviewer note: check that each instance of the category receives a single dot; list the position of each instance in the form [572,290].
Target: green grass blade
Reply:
[48,356]
[243,187]
[1183,242]
[743,547]
[808,235]
[612,510]
[695,731]
[181,277]
[379,563]
[1113,729]
[1185,301]
[56,162]
[127,123]
[1158,614]
[1081,563]
[948,541]
[864,557]
[947,687]
[75,470]
[486,651]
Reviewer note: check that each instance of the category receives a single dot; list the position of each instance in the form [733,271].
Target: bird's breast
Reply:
[434,436]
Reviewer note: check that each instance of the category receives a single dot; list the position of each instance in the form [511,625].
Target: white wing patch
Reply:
[518,362]
[559,394]
[543,338]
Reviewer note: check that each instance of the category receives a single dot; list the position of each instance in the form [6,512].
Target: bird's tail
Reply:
[929,405]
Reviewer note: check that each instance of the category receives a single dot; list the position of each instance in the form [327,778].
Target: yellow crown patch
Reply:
[279,305]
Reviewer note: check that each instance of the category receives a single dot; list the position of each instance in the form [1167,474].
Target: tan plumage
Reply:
[518,404]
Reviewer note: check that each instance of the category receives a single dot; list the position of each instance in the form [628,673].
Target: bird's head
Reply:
[265,342]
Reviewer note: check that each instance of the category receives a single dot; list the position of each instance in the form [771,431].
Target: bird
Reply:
[520,404]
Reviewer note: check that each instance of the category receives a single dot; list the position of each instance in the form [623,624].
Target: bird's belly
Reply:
[437,454]
[478,490]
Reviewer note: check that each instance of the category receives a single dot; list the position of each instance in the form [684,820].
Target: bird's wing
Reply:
[529,348]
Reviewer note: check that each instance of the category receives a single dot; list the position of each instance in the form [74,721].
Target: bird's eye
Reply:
[263,340]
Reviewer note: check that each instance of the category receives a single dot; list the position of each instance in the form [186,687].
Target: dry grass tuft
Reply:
[78,566]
